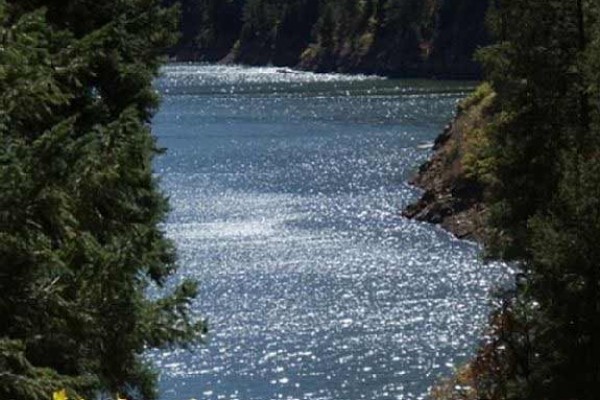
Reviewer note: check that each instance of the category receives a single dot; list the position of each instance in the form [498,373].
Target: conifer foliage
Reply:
[80,210]
[544,147]
[389,37]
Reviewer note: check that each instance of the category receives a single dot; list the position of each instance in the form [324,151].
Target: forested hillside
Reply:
[389,37]
[538,160]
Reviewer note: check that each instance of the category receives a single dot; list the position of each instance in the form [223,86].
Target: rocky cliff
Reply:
[453,186]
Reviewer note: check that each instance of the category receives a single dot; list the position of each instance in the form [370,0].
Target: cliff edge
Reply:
[451,179]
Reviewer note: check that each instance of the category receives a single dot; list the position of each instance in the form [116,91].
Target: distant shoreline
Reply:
[466,76]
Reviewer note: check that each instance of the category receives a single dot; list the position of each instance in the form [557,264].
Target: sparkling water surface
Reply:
[286,190]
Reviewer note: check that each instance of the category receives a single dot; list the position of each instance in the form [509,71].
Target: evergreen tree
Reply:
[533,71]
[564,270]
[219,24]
[80,210]
[545,180]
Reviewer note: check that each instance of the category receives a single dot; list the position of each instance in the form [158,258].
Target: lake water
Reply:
[287,190]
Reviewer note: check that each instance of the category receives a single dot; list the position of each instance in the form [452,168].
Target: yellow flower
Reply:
[60,395]
[120,398]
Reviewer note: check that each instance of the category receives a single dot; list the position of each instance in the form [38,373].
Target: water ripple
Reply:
[286,209]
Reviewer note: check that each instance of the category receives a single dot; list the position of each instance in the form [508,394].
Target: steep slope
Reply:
[451,179]
[431,38]
[208,28]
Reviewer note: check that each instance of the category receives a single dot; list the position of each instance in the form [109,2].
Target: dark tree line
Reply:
[393,37]
[80,210]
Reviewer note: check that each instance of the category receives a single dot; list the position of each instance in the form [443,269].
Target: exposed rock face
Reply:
[450,199]
[454,198]
[412,38]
